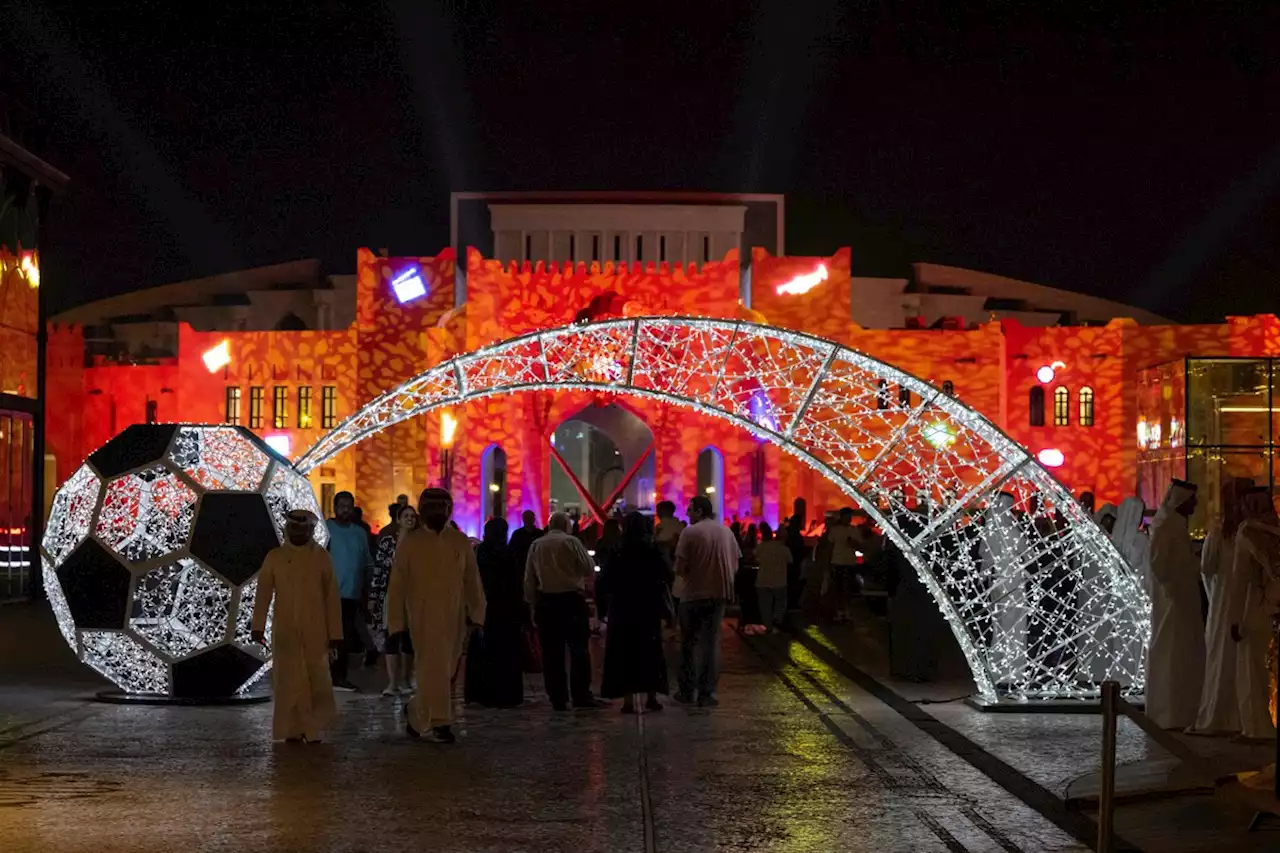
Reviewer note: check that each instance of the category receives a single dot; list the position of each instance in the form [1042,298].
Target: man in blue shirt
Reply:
[352,564]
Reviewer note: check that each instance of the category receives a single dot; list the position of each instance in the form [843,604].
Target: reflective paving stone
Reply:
[795,759]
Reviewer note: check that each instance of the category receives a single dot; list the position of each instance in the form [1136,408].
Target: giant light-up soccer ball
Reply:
[151,555]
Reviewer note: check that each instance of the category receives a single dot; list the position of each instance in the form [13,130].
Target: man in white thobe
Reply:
[1004,554]
[1175,660]
[436,594]
[306,625]
[1219,710]
[1257,570]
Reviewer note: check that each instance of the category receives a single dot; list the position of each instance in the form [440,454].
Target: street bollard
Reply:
[1107,790]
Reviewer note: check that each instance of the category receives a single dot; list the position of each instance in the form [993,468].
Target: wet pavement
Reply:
[801,756]
[795,759]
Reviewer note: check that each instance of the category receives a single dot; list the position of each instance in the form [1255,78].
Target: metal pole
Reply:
[1107,791]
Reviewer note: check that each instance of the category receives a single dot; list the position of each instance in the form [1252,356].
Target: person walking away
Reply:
[842,578]
[665,537]
[306,626]
[524,536]
[605,548]
[1219,709]
[1175,658]
[555,579]
[1257,569]
[799,553]
[635,587]
[436,595]
[773,559]
[744,584]
[397,648]
[352,563]
[495,669]
[815,598]
[707,557]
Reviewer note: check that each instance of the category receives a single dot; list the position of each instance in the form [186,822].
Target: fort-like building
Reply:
[1113,399]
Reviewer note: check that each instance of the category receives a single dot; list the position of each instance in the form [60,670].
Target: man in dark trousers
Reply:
[555,579]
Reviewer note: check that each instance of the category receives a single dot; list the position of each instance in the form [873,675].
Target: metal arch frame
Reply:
[1111,630]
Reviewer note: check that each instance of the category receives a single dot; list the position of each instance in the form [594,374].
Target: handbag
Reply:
[532,652]
[668,604]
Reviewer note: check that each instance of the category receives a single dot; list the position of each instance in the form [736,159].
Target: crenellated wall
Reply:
[991,366]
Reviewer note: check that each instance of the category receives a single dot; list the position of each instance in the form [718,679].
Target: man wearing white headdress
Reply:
[1219,709]
[305,624]
[1095,658]
[1175,660]
[1004,555]
[435,594]
[1130,540]
[1257,569]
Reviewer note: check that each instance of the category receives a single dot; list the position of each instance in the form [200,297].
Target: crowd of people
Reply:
[1212,676]
[424,598]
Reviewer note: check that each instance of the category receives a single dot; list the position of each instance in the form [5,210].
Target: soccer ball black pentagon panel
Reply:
[151,555]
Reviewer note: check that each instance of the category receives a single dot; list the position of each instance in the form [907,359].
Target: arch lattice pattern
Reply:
[1042,604]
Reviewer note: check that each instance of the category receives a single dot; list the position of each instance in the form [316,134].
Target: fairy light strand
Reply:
[1039,599]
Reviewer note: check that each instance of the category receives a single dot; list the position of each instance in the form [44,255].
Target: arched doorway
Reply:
[951,490]
[493,480]
[602,462]
[711,478]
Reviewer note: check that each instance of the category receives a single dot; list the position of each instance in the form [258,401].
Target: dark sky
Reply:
[1133,154]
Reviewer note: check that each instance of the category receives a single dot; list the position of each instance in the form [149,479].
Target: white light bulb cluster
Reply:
[1041,602]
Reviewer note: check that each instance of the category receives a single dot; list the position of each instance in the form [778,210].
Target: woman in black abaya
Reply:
[495,671]
[635,586]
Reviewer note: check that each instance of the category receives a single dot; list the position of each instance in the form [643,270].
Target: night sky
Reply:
[1128,154]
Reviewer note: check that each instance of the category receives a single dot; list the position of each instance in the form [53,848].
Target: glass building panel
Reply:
[1228,402]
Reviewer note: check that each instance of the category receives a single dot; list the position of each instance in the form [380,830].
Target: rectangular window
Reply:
[279,407]
[304,407]
[595,247]
[256,395]
[706,248]
[904,396]
[327,492]
[233,405]
[528,247]
[662,248]
[329,406]
[573,247]
[153,411]
[639,249]
[617,247]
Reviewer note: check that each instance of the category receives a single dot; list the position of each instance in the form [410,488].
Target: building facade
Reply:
[1059,372]
[27,183]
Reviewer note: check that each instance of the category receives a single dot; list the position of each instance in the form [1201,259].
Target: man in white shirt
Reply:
[707,558]
[555,579]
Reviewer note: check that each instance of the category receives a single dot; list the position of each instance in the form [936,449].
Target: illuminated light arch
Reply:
[1042,604]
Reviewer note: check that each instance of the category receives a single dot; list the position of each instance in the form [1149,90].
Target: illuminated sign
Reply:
[217,357]
[408,285]
[804,283]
